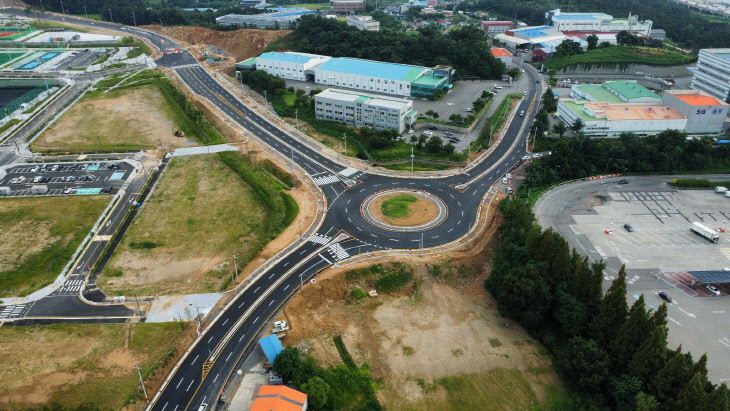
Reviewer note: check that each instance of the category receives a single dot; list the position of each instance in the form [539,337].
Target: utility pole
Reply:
[296,114]
[266,100]
[111,17]
[136,299]
[141,382]
[160,25]
[345,134]
[62,9]
[300,227]
[412,156]
[85,13]
[301,282]
[235,265]
[134,19]
[292,159]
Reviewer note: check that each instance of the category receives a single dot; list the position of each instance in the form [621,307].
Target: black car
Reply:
[664,296]
[362,156]
[629,228]
[106,190]
[623,182]
[432,128]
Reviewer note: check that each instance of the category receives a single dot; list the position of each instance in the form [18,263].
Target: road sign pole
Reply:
[141,382]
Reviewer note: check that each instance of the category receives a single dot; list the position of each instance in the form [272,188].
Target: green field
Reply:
[201,214]
[398,206]
[7,56]
[619,57]
[74,365]
[39,237]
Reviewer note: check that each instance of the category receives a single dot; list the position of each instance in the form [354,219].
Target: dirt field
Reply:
[199,216]
[232,46]
[437,345]
[421,212]
[77,364]
[121,119]
[39,236]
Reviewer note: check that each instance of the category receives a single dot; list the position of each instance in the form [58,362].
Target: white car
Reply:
[67,190]
[524,93]
[34,169]
[498,87]
[504,180]
[508,175]
[427,133]
[536,155]
[410,131]
[525,157]
[711,288]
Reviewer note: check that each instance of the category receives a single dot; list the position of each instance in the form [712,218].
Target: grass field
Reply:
[122,119]
[200,215]
[39,237]
[417,167]
[73,365]
[398,206]
[9,56]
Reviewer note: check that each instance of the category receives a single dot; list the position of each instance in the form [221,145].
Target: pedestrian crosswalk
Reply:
[337,252]
[328,179]
[319,239]
[184,66]
[348,172]
[13,311]
[70,287]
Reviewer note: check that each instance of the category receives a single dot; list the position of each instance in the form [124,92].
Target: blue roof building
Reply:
[271,347]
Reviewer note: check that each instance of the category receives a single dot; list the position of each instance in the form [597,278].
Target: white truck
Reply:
[710,235]
[720,189]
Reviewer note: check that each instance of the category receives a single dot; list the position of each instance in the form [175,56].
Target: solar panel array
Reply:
[717,277]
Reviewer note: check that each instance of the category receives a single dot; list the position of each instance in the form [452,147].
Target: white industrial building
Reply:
[712,73]
[289,65]
[597,22]
[364,110]
[284,19]
[363,22]
[691,111]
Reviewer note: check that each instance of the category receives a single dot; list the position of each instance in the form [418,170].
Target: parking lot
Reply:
[79,58]
[661,254]
[79,178]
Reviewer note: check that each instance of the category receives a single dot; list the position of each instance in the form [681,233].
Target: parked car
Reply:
[664,296]
[498,87]
[711,288]
[524,93]
[84,166]
[67,190]
[623,182]
[410,131]
[629,228]
[34,169]
[432,128]
[427,133]
[470,110]
[37,179]
[106,190]
[526,157]
[55,167]
[536,155]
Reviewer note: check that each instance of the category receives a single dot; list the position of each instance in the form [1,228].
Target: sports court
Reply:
[8,34]
[38,61]
[8,95]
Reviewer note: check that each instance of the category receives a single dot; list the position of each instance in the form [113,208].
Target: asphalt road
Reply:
[208,364]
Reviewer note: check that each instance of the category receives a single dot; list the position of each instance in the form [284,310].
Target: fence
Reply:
[29,96]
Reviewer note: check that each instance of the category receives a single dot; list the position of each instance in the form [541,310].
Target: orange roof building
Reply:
[279,398]
[705,114]
[500,52]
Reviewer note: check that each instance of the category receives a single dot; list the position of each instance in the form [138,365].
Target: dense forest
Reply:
[610,355]
[688,29]
[464,48]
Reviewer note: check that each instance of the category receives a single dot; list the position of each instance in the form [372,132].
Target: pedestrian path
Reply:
[337,252]
[189,151]
[348,172]
[328,179]
[319,239]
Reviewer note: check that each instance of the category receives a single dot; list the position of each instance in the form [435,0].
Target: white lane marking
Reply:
[216,377]
[257,288]
[191,384]
[239,340]
[211,339]
[254,321]
[196,358]
[178,384]
[163,408]
[229,357]
[224,322]
[287,287]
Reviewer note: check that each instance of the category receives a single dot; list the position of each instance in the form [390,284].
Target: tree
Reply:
[568,48]
[559,128]
[651,356]
[435,115]
[317,391]
[293,367]
[448,148]
[612,311]
[670,379]
[577,126]
[624,390]
[430,113]
[630,335]
[645,402]
[514,72]
[434,144]
[624,38]
[414,140]
[717,400]
[592,41]
[692,395]
[585,365]
[456,118]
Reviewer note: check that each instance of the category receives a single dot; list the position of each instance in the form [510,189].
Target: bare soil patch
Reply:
[421,211]
[121,119]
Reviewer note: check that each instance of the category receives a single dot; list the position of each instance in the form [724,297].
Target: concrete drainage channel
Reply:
[443,210]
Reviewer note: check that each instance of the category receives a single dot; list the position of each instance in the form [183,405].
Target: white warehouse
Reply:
[364,110]
[289,65]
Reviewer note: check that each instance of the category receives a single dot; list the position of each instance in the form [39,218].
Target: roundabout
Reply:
[404,210]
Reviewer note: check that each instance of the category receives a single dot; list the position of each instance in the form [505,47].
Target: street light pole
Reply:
[111,17]
[301,282]
[266,101]
[160,24]
[62,9]
[134,19]
[296,114]
[141,382]
[85,13]
[607,160]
